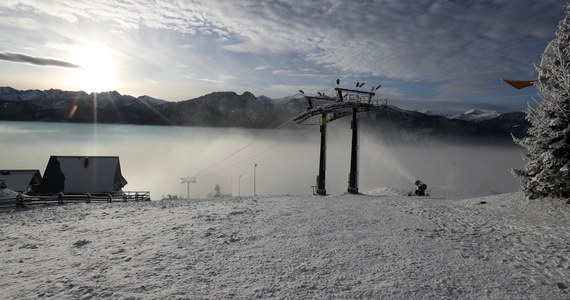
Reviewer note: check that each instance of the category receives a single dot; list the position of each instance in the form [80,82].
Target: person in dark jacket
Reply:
[420,188]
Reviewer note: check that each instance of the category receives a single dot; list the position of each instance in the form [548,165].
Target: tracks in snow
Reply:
[535,254]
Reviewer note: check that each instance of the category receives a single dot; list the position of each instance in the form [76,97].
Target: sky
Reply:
[435,55]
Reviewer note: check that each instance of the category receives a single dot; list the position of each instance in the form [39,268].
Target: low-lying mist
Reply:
[155,158]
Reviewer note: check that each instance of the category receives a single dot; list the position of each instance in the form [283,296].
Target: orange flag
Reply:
[520,84]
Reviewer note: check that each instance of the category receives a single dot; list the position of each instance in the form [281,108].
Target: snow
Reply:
[377,245]
[7,197]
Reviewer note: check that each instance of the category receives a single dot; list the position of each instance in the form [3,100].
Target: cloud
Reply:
[260,68]
[39,61]
[19,22]
[474,84]
[432,40]
[222,79]
[394,39]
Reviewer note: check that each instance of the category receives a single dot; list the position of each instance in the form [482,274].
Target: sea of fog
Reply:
[155,158]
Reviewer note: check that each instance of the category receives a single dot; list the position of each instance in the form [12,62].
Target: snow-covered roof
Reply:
[81,174]
[20,180]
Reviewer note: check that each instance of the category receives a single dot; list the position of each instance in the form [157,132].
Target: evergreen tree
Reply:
[546,171]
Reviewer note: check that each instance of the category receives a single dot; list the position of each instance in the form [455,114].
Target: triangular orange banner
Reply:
[520,84]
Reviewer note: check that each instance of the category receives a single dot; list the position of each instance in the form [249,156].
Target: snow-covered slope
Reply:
[452,192]
[297,247]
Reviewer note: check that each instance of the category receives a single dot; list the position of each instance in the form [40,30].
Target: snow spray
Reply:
[451,178]
[397,167]
[392,163]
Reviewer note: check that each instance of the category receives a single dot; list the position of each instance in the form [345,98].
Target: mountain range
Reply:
[228,109]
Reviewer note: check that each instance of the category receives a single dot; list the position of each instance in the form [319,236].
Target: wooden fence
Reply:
[22,200]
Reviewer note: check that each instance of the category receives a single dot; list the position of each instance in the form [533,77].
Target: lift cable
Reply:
[240,150]
[260,152]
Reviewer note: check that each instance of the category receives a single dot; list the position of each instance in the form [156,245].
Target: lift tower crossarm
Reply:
[321,98]
[311,98]
[188,180]
[338,89]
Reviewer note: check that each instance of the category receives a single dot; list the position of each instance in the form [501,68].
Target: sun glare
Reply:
[97,68]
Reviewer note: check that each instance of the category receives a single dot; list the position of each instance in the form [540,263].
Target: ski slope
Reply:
[379,245]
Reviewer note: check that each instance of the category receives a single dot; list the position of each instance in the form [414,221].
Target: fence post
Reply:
[60,198]
[88,198]
[109,198]
[20,200]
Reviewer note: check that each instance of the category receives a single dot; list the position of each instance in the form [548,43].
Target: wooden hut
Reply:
[82,174]
[23,181]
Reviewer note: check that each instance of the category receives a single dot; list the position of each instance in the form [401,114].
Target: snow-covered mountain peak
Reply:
[425,111]
[475,115]
[474,111]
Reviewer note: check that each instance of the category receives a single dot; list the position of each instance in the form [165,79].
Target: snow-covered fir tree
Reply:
[546,170]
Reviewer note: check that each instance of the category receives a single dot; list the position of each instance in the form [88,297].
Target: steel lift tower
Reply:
[348,102]
[187,180]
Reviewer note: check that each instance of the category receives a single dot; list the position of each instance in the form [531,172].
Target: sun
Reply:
[97,68]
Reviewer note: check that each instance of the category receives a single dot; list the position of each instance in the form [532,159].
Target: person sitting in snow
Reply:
[217,189]
[421,188]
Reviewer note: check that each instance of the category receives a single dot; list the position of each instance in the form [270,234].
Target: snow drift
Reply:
[344,246]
